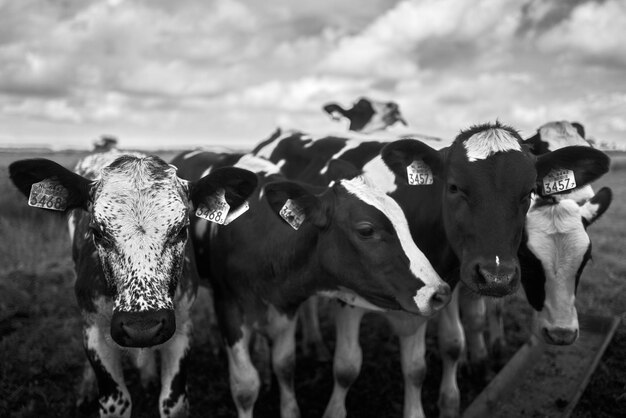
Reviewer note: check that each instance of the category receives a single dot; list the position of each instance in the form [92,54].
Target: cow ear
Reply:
[341,169]
[596,206]
[55,181]
[399,155]
[237,183]
[282,195]
[587,164]
[334,110]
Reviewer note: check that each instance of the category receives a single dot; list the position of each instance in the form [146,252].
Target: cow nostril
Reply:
[441,297]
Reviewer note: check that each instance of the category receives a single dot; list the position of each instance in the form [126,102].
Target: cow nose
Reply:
[440,297]
[430,299]
[496,279]
[142,329]
[560,335]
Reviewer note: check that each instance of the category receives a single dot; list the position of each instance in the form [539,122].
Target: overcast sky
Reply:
[177,73]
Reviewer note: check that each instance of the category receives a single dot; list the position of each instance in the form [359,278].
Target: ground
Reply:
[41,356]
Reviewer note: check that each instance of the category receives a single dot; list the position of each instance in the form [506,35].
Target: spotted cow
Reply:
[554,252]
[367,115]
[136,278]
[350,241]
[466,212]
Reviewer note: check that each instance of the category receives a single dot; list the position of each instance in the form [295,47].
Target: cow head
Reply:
[367,115]
[139,217]
[484,182]
[554,253]
[555,135]
[365,247]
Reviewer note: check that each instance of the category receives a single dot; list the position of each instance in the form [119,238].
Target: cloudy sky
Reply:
[190,72]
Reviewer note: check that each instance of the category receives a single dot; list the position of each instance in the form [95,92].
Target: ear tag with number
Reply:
[237,212]
[558,181]
[292,214]
[215,209]
[419,173]
[48,194]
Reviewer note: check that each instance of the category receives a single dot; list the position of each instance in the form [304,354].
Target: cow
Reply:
[128,216]
[554,251]
[466,213]
[367,115]
[348,241]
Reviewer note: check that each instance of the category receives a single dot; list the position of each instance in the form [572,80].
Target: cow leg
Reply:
[87,391]
[497,341]
[348,357]
[411,331]
[282,332]
[261,358]
[473,312]
[244,378]
[105,359]
[451,345]
[312,340]
[173,400]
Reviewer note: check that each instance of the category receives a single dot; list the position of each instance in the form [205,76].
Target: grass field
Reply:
[41,356]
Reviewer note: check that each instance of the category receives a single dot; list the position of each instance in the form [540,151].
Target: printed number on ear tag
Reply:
[559,181]
[292,214]
[48,194]
[419,174]
[215,209]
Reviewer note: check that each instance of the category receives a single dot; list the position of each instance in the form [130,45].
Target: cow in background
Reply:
[554,253]
[348,241]
[136,277]
[367,115]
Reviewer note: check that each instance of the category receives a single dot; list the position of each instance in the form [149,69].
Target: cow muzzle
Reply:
[495,279]
[559,335]
[143,329]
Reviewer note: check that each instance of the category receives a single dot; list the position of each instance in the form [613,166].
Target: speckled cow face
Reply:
[139,225]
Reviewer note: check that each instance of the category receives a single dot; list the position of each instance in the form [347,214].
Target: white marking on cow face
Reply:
[377,173]
[140,218]
[483,144]
[418,263]
[497,261]
[561,134]
[557,237]
[257,164]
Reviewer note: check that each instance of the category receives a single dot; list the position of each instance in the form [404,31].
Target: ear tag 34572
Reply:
[419,173]
[292,214]
[48,194]
[215,209]
[237,212]
[558,181]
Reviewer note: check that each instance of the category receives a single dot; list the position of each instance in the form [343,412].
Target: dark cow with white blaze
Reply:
[469,222]
[367,115]
[135,273]
[354,244]
[554,252]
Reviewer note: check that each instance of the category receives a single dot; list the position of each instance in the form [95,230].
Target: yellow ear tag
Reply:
[215,209]
[292,214]
[419,173]
[48,194]
[558,181]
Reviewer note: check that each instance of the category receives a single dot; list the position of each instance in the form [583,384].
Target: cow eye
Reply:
[182,234]
[97,233]
[365,230]
[453,188]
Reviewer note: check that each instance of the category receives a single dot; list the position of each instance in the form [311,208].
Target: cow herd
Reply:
[406,228]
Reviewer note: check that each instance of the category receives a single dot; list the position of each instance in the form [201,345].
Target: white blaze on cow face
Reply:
[139,221]
[418,263]
[557,237]
[488,142]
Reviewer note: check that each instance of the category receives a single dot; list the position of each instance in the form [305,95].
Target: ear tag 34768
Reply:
[48,194]
[292,214]
[237,212]
[558,181]
[215,209]
[419,173]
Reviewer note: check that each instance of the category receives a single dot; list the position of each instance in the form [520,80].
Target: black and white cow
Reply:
[367,115]
[136,278]
[466,212]
[352,242]
[554,252]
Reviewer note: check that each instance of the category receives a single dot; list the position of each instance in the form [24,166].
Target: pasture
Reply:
[41,355]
